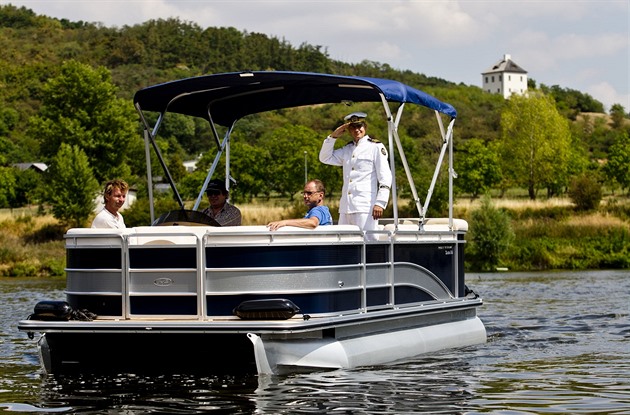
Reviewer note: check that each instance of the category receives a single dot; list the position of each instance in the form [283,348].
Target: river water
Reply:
[557,343]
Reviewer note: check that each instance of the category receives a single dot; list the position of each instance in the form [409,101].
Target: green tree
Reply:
[11,16]
[184,129]
[71,186]
[190,185]
[535,143]
[618,115]
[617,167]
[285,151]
[490,236]
[80,108]
[250,168]
[8,119]
[7,187]
[572,102]
[593,133]
[28,187]
[477,167]
[176,167]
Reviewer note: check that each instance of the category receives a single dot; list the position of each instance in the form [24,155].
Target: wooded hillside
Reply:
[39,54]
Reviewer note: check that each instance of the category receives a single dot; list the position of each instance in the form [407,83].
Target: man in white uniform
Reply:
[114,196]
[367,177]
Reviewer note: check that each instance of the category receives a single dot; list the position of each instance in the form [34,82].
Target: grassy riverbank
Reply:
[30,245]
[548,234]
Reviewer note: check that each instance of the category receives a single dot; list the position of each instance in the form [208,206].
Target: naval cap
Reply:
[355,117]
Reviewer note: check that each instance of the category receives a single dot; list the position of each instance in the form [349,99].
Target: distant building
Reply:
[38,167]
[162,187]
[191,165]
[506,78]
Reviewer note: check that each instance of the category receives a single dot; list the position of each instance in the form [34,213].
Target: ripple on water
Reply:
[557,343]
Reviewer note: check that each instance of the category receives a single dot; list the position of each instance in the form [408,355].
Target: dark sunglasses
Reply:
[309,193]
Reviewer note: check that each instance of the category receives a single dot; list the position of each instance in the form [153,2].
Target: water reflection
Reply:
[435,385]
[428,385]
[149,394]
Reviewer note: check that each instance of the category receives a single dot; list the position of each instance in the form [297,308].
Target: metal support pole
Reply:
[147,152]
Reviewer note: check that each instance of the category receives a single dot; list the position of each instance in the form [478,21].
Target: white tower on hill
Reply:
[505,77]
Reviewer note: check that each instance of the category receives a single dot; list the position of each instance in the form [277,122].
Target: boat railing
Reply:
[190,272]
[97,268]
[290,261]
[164,273]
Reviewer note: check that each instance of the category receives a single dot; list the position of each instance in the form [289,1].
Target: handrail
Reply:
[277,237]
[380,273]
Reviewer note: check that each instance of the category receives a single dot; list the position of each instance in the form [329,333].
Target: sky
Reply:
[575,44]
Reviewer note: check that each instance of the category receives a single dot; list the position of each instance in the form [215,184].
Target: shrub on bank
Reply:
[585,192]
[490,236]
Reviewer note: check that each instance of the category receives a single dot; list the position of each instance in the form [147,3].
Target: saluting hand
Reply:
[339,131]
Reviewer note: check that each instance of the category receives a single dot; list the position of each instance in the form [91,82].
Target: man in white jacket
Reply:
[367,178]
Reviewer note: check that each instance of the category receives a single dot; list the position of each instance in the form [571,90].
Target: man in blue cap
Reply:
[367,177]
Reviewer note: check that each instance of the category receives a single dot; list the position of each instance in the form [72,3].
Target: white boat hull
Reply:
[285,356]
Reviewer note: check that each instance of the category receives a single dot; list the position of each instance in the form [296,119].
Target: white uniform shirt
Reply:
[105,219]
[367,177]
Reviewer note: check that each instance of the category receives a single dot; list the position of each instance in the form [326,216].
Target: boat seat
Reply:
[166,235]
[432,225]
[440,224]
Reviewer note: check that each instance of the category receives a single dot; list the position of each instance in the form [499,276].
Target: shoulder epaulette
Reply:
[374,140]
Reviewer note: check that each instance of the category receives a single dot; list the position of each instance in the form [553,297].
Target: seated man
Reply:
[220,210]
[318,214]
[114,197]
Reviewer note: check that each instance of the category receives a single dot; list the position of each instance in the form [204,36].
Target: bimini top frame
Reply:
[222,99]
